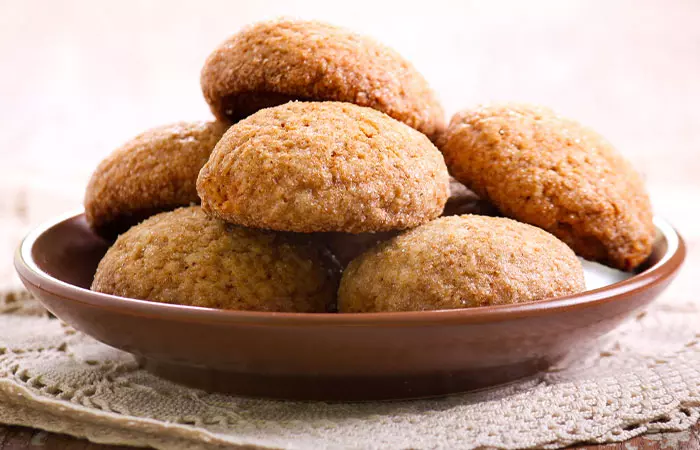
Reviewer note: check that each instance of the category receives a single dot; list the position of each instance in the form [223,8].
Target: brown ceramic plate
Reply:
[331,356]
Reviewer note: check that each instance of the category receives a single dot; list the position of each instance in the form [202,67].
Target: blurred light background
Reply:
[78,78]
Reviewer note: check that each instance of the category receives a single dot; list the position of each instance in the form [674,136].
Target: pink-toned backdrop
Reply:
[78,78]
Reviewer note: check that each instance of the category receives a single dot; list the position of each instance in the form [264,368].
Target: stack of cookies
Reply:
[323,180]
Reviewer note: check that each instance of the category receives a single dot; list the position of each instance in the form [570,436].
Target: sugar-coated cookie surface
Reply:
[270,63]
[187,258]
[155,171]
[346,247]
[459,262]
[546,170]
[324,166]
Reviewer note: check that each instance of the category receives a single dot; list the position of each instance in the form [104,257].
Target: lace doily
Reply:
[643,378]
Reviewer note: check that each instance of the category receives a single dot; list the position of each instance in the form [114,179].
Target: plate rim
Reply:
[664,269]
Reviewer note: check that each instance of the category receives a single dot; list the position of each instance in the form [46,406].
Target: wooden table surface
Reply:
[85,76]
[20,438]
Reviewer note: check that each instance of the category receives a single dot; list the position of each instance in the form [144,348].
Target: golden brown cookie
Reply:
[156,171]
[324,166]
[460,262]
[464,201]
[270,63]
[346,246]
[185,257]
[538,167]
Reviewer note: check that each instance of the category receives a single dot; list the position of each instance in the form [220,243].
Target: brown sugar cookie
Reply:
[459,262]
[464,201]
[155,171]
[324,166]
[188,258]
[270,63]
[346,247]
[538,167]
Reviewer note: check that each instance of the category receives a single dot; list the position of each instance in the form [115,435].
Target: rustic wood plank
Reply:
[685,440]
[21,438]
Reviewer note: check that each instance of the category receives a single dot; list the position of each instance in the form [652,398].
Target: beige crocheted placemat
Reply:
[643,377]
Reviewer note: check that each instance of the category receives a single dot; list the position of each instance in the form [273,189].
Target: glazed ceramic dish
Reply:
[331,356]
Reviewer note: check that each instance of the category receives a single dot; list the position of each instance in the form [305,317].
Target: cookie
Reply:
[187,258]
[156,171]
[324,166]
[460,262]
[270,63]
[538,167]
[464,201]
[346,247]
